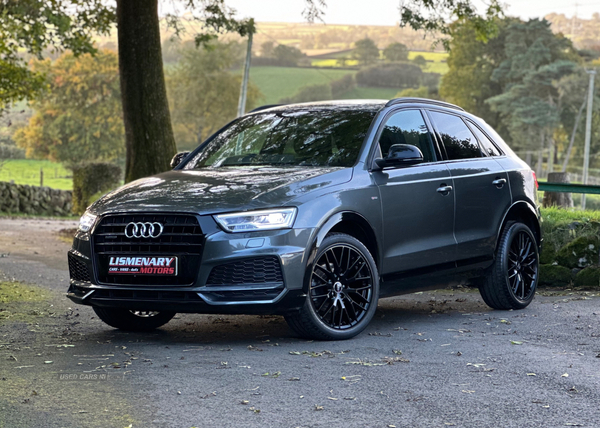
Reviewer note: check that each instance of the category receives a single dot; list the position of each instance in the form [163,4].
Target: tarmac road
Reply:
[435,359]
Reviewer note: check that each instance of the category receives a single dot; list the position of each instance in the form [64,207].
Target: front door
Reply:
[417,201]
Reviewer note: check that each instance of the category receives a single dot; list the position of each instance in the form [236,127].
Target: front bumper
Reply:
[290,247]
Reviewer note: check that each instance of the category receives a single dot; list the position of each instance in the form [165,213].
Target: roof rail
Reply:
[265,107]
[422,101]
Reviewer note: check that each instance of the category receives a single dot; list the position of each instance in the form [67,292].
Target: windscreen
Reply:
[325,137]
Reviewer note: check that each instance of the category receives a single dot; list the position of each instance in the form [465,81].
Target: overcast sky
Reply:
[385,12]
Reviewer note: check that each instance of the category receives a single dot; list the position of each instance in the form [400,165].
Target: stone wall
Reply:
[18,198]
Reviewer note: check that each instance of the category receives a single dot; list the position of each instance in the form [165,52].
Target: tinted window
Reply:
[324,137]
[407,127]
[488,147]
[460,143]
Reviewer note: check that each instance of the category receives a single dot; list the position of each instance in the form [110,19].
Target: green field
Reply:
[27,171]
[279,82]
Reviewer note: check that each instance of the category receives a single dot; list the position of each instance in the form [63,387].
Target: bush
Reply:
[588,277]
[555,275]
[341,86]
[91,180]
[8,151]
[394,75]
[579,253]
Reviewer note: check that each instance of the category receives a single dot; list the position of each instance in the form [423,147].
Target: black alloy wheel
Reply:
[343,291]
[513,278]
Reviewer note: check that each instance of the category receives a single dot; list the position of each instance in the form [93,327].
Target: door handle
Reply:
[499,183]
[444,190]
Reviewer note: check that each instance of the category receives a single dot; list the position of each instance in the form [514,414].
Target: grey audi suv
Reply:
[315,211]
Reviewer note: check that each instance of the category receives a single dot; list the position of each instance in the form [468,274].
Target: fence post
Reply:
[559,199]
[41,177]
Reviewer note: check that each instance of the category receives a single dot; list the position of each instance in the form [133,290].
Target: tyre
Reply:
[125,319]
[512,280]
[343,290]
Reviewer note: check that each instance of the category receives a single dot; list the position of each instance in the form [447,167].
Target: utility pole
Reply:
[244,91]
[588,132]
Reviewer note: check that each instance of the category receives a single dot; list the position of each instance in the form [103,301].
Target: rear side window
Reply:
[459,141]
[407,127]
[488,147]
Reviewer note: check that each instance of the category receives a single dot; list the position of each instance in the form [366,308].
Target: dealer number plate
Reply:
[138,265]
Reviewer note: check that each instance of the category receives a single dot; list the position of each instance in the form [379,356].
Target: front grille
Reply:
[78,270]
[182,237]
[257,270]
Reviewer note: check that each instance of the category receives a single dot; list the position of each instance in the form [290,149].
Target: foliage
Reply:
[396,52]
[287,55]
[420,61]
[471,63]
[90,180]
[35,25]
[341,86]
[365,51]
[80,116]
[310,93]
[432,16]
[203,95]
[535,61]
[420,92]
[390,75]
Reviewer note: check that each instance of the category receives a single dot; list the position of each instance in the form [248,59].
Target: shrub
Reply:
[91,180]
[394,75]
[579,253]
[341,86]
[588,277]
[555,275]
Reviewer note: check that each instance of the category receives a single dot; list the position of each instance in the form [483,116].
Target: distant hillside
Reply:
[585,33]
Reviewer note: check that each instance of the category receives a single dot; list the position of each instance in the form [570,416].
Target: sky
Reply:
[385,12]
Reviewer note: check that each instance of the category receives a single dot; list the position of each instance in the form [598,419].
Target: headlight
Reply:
[86,222]
[282,218]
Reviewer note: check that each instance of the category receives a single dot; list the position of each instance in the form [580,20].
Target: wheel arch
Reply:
[524,212]
[350,223]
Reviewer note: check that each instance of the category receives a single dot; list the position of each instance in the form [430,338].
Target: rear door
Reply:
[417,201]
[481,189]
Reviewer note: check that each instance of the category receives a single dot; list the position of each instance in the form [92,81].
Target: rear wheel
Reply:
[130,320]
[513,278]
[343,290]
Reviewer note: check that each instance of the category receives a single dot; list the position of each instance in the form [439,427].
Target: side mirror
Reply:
[178,158]
[401,155]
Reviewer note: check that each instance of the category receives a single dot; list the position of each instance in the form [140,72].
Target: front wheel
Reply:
[513,278]
[343,290]
[125,319]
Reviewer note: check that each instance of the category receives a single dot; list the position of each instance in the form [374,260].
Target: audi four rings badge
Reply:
[143,230]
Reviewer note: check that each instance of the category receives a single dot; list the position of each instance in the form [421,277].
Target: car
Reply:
[315,211]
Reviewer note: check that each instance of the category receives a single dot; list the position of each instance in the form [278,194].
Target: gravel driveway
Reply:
[433,359]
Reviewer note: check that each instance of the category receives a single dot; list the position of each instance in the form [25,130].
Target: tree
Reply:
[287,55]
[203,94]
[266,49]
[34,25]
[471,62]
[535,61]
[365,51]
[79,117]
[396,52]
[420,61]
